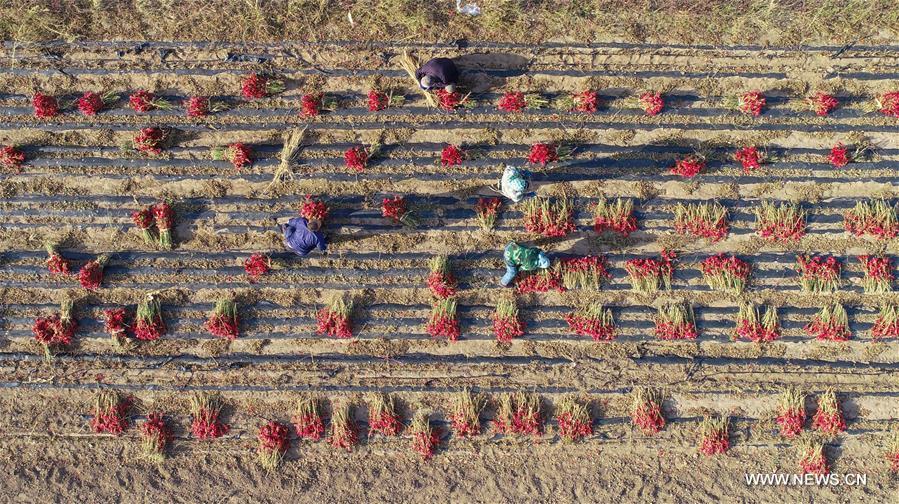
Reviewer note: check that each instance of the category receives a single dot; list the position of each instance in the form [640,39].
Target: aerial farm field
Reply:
[721,219]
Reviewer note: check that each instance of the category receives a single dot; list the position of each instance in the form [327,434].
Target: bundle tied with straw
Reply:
[410,65]
[293,140]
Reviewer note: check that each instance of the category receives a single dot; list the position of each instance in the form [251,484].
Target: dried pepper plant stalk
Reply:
[750,159]
[878,277]
[507,323]
[791,412]
[584,272]
[238,154]
[149,325]
[517,101]
[752,327]
[540,280]
[519,413]
[887,323]
[383,417]
[396,210]
[90,276]
[110,413]
[726,273]
[573,418]
[549,217]
[594,320]
[156,435]
[164,218]
[486,211]
[465,413]
[308,420]
[56,332]
[646,410]
[688,166]
[703,220]
[256,86]
[145,101]
[831,323]
[822,104]
[652,102]
[274,440]
[615,216]
[648,275]
[256,266]
[818,274]
[875,218]
[425,438]
[829,417]
[812,459]
[223,322]
[56,263]
[675,322]
[783,223]
[334,319]
[205,412]
[714,435]
[344,433]
[441,280]
[444,322]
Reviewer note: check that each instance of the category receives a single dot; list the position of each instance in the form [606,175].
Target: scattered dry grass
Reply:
[783,22]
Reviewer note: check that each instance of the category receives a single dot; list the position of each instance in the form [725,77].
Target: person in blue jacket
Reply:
[302,236]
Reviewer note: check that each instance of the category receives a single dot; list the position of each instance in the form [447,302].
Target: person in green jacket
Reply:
[522,258]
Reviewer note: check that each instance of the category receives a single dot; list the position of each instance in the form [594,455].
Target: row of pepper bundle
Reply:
[257,86]
[334,319]
[586,272]
[156,222]
[111,414]
[90,276]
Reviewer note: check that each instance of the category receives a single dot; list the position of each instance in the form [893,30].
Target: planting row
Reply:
[571,417]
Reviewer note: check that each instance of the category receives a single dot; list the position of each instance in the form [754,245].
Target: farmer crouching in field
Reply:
[438,73]
[515,183]
[522,258]
[301,236]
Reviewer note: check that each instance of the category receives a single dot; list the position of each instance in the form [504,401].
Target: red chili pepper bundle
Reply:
[11,158]
[56,263]
[164,218]
[829,417]
[224,322]
[874,217]
[465,415]
[585,272]
[703,220]
[143,219]
[383,417]
[751,103]
[594,321]
[831,323]
[395,209]
[892,454]
[506,322]
[543,153]
[308,420]
[145,101]
[887,323]
[313,209]
[878,274]
[646,411]
[57,330]
[486,211]
[839,155]
[149,325]
[274,441]
[238,154]
[549,217]
[726,273]
[512,101]
[356,158]
[791,415]
[647,275]
[752,327]
[586,101]
[91,274]
[206,410]
[91,103]
[652,103]
[149,141]
[617,217]
[334,319]
[443,322]
[377,100]
[45,106]
[257,265]
[425,438]
[519,413]
[115,323]
[155,435]
[714,435]
[818,274]
[197,106]
[888,104]
[257,86]
[110,413]
[783,223]
[344,433]
[675,322]
[749,158]
[822,103]
[812,459]
[450,101]
[541,280]
[451,155]
[688,166]
[574,420]
[311,104]
[441,280]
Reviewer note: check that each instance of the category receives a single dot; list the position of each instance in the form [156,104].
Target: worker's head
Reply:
[426,81]
[450,88]
[542,261]
[314,225]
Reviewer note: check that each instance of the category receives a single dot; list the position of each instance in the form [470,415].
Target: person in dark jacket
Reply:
[302,236]
[438,73]
[522,258]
